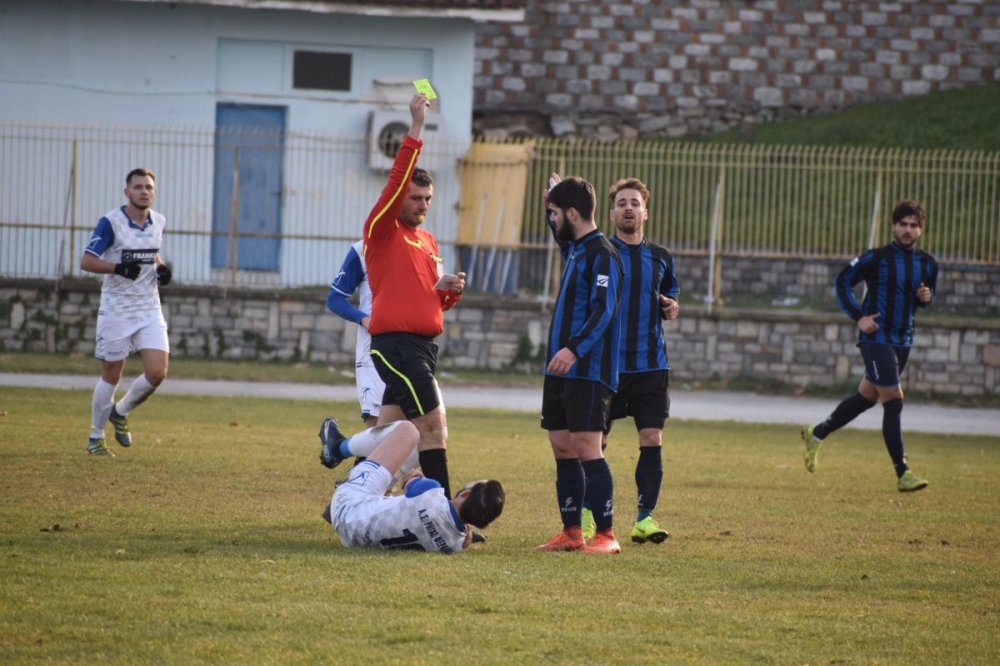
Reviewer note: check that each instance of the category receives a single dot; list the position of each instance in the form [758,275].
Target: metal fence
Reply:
[290,223]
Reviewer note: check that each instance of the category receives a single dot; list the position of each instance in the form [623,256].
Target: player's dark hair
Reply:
[575,193]
[484,503]
[142,171]
[422,178]
[906,208]
[628,184]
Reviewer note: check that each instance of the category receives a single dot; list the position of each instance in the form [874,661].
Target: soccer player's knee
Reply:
[893,406]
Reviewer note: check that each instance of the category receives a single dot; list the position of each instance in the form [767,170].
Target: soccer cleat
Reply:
[122,435]
[478,538]
[604,543]
[96,446]
[569,539]
[587,524]
[330,438]
[647,530]
[910,482]
[812,448]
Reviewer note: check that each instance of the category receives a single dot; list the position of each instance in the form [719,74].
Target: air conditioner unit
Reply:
[386,129]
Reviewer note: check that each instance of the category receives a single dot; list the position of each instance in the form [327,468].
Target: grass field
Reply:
[203,543]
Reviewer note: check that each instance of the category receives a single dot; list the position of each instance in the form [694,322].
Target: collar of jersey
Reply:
[149,221]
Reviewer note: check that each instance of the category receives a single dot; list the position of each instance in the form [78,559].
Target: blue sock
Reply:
[648,475]
[848,410]
[892,433]
[601,490]
[344,449]
[571,484]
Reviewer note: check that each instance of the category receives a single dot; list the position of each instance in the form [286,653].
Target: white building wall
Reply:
[153,65]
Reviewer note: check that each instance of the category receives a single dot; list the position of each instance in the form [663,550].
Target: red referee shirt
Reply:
[403,263]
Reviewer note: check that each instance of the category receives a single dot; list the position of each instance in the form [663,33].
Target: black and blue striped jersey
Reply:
[584,316]
[649,273]
[892,276]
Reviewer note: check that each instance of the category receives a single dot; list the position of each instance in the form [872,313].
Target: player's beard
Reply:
[144,207]
[564,233]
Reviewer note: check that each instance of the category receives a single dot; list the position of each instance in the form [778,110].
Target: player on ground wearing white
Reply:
[125,248]
[422,518]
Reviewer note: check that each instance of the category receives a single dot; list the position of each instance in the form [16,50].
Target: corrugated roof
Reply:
[503,10]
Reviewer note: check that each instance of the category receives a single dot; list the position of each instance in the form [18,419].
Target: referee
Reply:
[410,291]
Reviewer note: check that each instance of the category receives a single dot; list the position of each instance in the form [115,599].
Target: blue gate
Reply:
[249,150]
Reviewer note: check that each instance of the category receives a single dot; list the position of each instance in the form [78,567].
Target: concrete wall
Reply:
[614,69]
[951,357]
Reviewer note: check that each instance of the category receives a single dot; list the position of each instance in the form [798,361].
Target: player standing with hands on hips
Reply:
[125,248]
[899,278]
[581,369]
[410,292]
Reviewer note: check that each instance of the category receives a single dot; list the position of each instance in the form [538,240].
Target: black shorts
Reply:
[644,397]
[883,363]
[406,364]
[577,405]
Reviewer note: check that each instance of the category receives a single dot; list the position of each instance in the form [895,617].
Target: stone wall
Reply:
[611,69]
[804,349]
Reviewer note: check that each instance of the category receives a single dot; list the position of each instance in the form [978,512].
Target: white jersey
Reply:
[117,239]
[364,342]
[365,517]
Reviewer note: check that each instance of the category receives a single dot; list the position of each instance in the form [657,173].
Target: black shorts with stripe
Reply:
[644,396]
[406,363]
[577,405]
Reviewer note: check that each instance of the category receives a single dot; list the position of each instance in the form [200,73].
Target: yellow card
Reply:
[424,86]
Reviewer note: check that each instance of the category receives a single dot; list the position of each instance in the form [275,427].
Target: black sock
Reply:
[846,411]
[892,433]
[600,490]
[571,484]
[434,465]
[648,475]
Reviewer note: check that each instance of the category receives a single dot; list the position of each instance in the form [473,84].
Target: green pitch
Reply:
[204,543]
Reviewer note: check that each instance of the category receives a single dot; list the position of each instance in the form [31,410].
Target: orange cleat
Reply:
[570,538]
[604,542]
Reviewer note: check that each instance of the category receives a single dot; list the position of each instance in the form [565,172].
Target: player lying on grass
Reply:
[422,518]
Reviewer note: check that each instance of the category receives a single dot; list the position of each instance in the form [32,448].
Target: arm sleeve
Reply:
[930,280]
[383,215]
[853,273]
[669,286]
[343,287]
[420,486]
[102,238]
[605,293]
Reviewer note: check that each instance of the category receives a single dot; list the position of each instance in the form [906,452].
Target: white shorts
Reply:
[367,481]
[370,388]
[118,337]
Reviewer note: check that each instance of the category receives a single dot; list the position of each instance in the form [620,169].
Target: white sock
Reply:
[363,443]
[100,407]
[137,394]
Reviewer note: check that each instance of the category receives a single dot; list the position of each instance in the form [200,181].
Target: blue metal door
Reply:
[246,221]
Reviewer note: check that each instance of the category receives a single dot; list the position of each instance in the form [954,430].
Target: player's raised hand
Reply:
[418,113]
[554,179]
[923,293]
[868,324]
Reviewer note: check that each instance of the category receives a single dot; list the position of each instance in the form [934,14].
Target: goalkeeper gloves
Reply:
[128,270]
[164,274]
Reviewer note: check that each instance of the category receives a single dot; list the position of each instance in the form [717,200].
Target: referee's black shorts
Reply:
[406,363]
[644,396]
[577,405]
